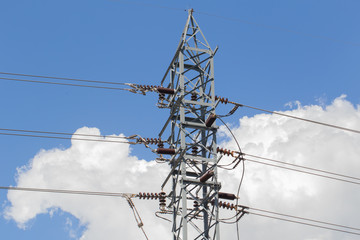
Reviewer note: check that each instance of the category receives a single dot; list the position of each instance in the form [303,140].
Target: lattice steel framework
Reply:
[194,191]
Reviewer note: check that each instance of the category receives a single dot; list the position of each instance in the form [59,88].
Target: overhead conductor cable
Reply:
[225,101]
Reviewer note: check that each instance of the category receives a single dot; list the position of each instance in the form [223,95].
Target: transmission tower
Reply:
[188,91]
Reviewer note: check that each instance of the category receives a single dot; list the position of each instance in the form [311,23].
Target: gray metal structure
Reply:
[193,198]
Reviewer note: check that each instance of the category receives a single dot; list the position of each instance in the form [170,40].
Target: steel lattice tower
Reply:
[195,188]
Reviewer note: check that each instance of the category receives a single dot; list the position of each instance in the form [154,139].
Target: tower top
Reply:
[193,44]
[192,34]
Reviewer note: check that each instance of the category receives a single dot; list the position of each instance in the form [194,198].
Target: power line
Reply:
[242,175]
[300,166]
[127,196]
[64,84]
[303,119]
[62,78]
[303,223]
[296,170]
[65,138]
[64,133]
[134,91]
[241,157]
[294,117]
[130,195]
[302,218]
[134,88]
[137,138]
[63,191]
[30,135]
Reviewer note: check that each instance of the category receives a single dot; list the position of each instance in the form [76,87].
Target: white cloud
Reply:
[294,193]
[92,166]
[111,167]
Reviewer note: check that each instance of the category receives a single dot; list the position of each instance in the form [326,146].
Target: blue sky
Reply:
[270,53]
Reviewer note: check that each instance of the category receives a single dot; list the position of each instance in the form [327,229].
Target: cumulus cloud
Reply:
[284,191]
[92,166]
[111,167]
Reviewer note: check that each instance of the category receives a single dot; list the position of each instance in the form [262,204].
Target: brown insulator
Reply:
[147,196]
[226,205]
[221,99]
[146,87]
[225,151]
[162,195]
[228,196]
[150,140]
[165,90]
[143,196]
[194,150]
[162,203]
[162,200]
[193,96]
[169,151]
[206,176]
[210,120]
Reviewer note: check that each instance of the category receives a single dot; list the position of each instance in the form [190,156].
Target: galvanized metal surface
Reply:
[193,201]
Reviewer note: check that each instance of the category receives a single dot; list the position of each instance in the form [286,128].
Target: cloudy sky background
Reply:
[257,65]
